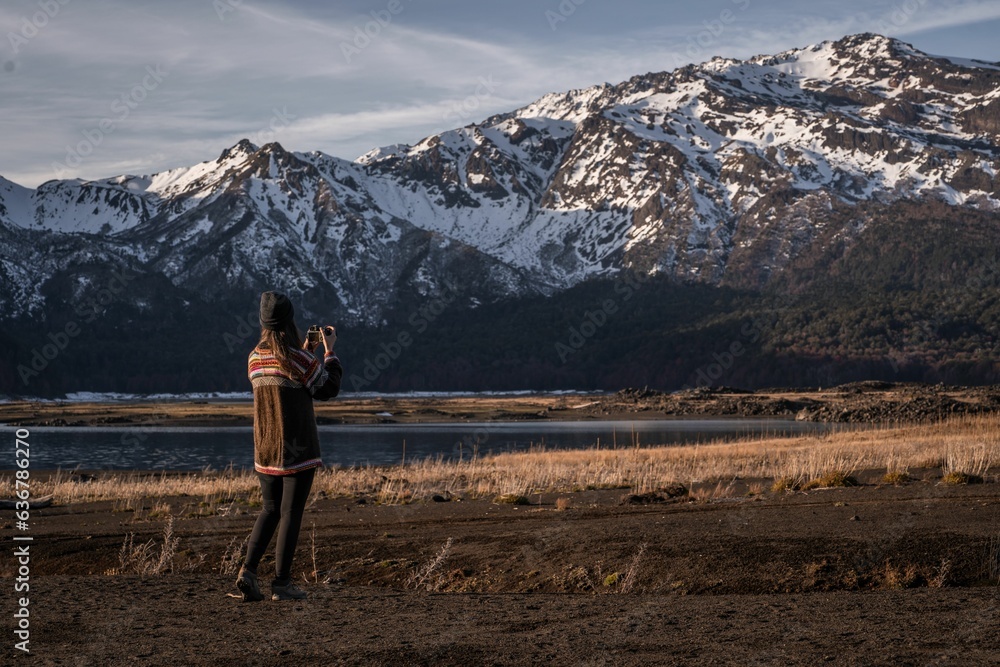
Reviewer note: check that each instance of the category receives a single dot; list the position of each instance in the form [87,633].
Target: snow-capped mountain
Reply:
[728,172]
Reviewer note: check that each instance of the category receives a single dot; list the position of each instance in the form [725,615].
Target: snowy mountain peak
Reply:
[384,152]
[244,147]
[726,172]
[872,45]
[677,160]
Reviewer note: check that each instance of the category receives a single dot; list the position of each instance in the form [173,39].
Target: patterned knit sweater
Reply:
[284,424]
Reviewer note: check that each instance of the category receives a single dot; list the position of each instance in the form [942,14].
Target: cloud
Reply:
[775,27]
[417,74]
[932,17]
[896,20]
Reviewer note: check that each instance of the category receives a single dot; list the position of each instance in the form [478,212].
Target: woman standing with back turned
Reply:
[286,378]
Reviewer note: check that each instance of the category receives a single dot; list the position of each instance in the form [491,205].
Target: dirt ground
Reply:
[868,575]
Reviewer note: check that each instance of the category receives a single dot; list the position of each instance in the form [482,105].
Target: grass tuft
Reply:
[785,485]
[429,576]
[512,499]
[831,479]
[232,557]
[896,477]
[144,559]
[627,582]
[897,577]
[956,478]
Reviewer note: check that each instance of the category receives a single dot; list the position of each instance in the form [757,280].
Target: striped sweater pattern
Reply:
[285,435]
[265,369]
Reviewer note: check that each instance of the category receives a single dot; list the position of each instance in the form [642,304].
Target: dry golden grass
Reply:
[706,493]
[144,558]
[512,499]
[956,478]
[963,445]
[896,477]
[831,479]
[784,485]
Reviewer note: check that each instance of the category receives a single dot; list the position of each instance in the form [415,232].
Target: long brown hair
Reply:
[281,343]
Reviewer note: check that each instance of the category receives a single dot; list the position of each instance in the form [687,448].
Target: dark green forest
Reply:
[598,335]
[916,297]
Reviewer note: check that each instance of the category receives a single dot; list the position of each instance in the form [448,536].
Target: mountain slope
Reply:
[769,176]
[682,172]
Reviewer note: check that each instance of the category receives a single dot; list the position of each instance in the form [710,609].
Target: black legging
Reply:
[284,501]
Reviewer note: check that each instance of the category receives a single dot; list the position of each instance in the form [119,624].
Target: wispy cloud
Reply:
[229,74]
[781,26]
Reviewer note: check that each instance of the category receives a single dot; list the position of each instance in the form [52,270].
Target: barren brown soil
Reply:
[868,575]
[862,402]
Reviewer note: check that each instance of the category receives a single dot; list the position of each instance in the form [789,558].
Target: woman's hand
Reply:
[329,337]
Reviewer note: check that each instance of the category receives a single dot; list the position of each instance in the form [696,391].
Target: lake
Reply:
[191,448]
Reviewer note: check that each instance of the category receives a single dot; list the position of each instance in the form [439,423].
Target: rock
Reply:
[641,499]
[650,497]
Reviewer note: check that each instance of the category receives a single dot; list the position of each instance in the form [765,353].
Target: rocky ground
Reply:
[867,575]
[859,402]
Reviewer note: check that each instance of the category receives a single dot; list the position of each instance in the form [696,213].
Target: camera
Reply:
[313,334]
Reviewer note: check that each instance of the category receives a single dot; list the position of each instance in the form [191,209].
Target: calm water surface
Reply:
[189,448]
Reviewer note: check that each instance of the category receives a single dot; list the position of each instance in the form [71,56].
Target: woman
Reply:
[286,378]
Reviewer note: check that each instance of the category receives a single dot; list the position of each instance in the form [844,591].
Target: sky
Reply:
[97,88]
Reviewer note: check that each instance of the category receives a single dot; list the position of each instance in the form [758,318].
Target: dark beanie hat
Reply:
[275,310]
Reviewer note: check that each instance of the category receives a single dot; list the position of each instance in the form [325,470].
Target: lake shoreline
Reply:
[860,402]
[123,447]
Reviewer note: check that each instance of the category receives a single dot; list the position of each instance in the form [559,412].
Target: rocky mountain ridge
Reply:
[755,175]
[717,173]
